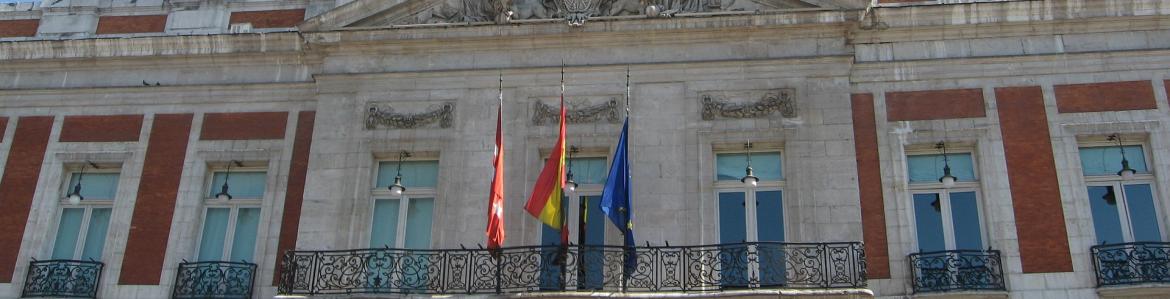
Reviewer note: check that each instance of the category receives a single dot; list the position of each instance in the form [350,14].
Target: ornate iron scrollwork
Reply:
[956,270]
[771,102]
[547,114]
[1132,263]
[575,267]
[63,278]
[214,280]
[386,117]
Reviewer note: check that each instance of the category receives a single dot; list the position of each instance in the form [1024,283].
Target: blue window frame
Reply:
[1123,210]
[750,214]
[230,227]
[82,228]
[945,218]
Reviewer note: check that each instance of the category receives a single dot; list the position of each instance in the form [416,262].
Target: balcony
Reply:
[62,278]
[214,280]
[1132,263]
[956,270]
[576,268]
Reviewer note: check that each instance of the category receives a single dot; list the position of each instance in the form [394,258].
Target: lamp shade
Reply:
[947,181]
[74,199]
[397,187]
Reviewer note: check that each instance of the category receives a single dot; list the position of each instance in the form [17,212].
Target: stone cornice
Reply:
[1024,66]
[1011,29]
[151,46]
[161,95]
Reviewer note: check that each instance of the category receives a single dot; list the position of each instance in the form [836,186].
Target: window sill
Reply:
[965,295]
[1135,291]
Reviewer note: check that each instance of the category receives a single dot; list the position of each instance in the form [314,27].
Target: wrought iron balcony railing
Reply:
[63,278]
[1132,263]
[956,270]
[214,280]
[593,268]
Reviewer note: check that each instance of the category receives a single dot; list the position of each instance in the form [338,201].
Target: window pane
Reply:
[95,236]
[928,220]
[384,230]
[95,185]
[1139,200]
[590,170]
[732,226]
[67,233]
[244,240]
[929,168]
[214,234]
[766,166]
[418,223]
[242,184]
[415,174]
[1106,222]
[770,216]
[965,218]
[1106,160]
[594,221]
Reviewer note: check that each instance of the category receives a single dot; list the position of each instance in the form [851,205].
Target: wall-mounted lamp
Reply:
[223,190]
[570,184]
[947,179]
[1126,172]
[749,177]
[74,196]
[397,187]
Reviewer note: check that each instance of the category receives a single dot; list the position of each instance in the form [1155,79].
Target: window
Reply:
[586,222]
[404,221]
[750,214]
[230,225]
[81,232]
[1123,210]
[945,218]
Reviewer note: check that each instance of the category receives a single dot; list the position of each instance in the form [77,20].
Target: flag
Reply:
[615,197]
[545,201]
[495,225]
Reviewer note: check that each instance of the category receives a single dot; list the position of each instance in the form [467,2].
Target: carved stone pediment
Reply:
[595,110]
[749,104]
[385,116]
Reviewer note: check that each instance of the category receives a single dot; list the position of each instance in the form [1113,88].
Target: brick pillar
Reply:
[869,186]
[295,194]
[19,185]
[150,227]
[1027,148]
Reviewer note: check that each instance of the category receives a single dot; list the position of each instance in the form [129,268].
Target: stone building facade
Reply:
[316,99]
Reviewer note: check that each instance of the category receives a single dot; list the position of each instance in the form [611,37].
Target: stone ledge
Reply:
[764,293]
[1147,290]
[964,295]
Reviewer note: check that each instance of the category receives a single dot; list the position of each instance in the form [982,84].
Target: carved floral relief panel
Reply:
[408,115]
[748,104]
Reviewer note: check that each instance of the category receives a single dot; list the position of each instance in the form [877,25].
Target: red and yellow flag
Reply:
[545,202]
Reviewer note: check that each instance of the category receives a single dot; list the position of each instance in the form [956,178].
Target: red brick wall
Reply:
[1109,96]
[295,195]
[934,104]
[18,185]
[869,185]
[131,24]
[103,128]
[3,127]
[269,18]
[19,28]
[150,226]
[244,126]
[1032,178]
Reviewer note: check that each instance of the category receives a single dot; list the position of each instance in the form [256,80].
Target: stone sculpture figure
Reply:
[532,9]
[623,7]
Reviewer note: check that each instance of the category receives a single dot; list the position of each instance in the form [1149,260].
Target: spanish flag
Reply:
[545,202]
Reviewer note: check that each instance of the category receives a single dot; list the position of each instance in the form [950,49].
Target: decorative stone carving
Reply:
[781,100]
[386,117]
[544,114]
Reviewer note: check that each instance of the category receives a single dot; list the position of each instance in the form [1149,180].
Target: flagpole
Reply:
[564,229]
[629,191]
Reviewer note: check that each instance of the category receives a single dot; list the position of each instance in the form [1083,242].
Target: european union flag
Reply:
[615,198]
